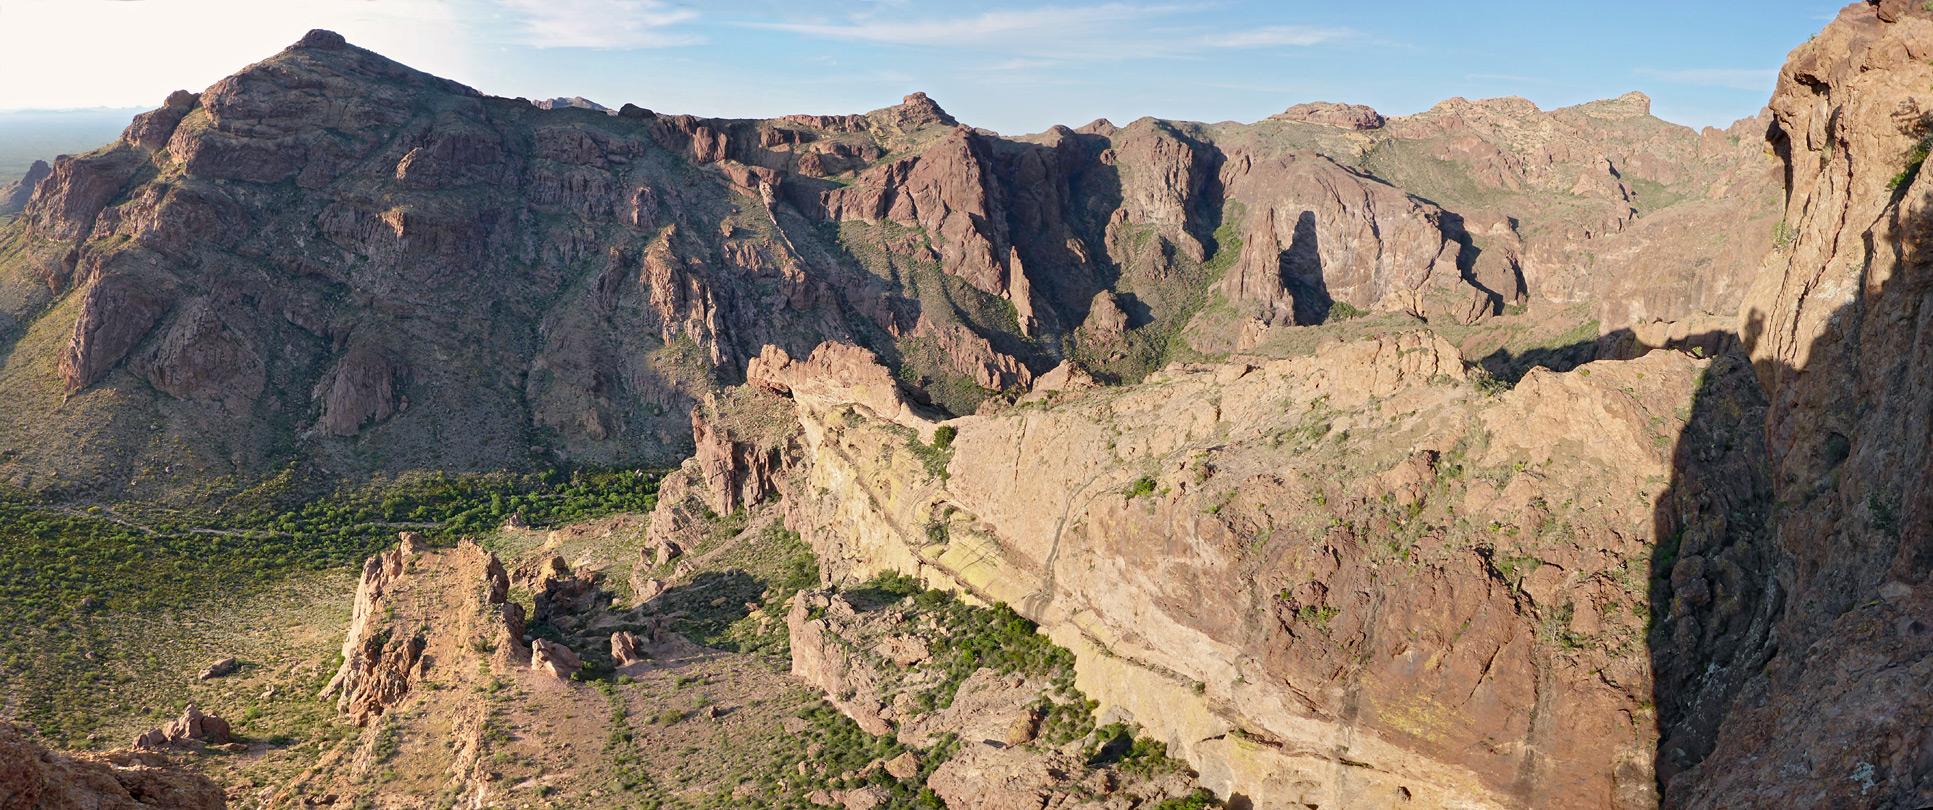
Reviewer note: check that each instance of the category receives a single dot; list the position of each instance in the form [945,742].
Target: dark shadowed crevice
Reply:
[1714,599]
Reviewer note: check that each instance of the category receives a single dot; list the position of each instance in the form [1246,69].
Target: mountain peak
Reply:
[917,111]
[322,39]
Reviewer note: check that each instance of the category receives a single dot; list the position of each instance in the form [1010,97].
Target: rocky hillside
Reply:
[333,257]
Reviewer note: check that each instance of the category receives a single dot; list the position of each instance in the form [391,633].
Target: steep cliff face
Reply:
[1334,580]
[1838,329]
[332,254]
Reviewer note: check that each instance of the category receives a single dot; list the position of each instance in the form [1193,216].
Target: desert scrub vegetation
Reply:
[757,582]
[85,590]
[935,455]
[58,558]
[969,638]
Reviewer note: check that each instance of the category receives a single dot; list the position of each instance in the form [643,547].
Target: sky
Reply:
[1010,67]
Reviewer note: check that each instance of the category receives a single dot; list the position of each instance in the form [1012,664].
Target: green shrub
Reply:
[943,437]
[1342,311]
[1142,486]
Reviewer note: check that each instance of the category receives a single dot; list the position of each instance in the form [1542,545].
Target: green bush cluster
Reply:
[55,559]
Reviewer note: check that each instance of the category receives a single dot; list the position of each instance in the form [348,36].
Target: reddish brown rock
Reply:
[625,649]
[738,471]
[66,202]
[224,667]
[32,778]
[116,313]
[14,196]
[944,189]
[151,130]
[835,372]
[193,726]
[1828,702]
[1319,233]
[556,592]
[389,634]
[1327,113]
[203,357]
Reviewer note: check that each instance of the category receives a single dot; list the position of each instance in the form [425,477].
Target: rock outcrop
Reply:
[406,617]
[224,667]
[193,726]
[553,659]
[1328,113]
[32,778]
[625,649]
[878,665]
[834,373]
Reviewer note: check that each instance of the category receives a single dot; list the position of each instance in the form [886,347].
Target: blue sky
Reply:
[1011,67]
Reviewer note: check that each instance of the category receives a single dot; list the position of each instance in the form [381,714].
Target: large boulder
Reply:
[554,659]
[193,726]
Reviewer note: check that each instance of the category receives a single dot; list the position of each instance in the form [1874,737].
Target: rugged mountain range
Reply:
[334,256]
[1489,457]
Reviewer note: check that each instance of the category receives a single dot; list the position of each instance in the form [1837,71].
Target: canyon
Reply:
[1488,457]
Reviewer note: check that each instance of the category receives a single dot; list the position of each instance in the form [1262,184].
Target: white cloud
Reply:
[1113,30]
[1061,33]
[600,23]
[1755,80]
[1022,64]
[1278,36]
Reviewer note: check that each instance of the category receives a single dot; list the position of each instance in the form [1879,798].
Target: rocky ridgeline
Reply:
[386,652]
[334,247]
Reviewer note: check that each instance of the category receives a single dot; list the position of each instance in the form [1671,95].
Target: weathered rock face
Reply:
[556,592]
[834,373]
[625,649]
[32,778]
[408,610]
[1352,549]
[1319,233]
[1837,328]
[1611,206]
[876,663]
[820,658]
[745,443]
